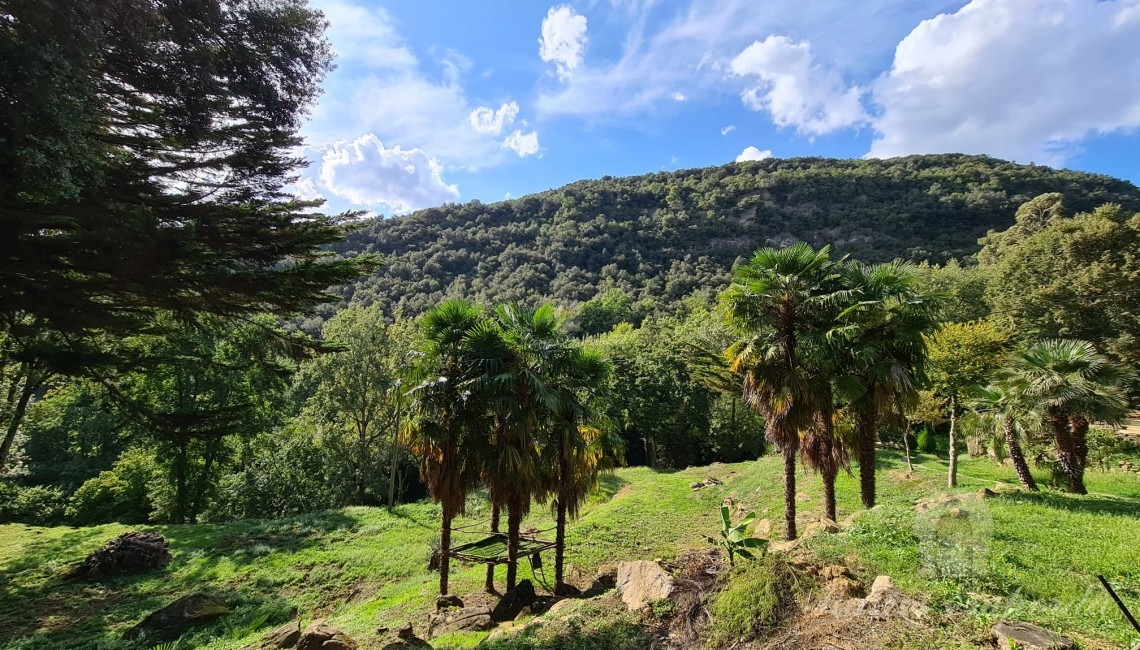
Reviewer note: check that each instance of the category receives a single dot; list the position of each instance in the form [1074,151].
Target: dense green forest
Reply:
[661,236]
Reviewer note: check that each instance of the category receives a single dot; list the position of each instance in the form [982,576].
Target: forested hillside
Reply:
[663,235]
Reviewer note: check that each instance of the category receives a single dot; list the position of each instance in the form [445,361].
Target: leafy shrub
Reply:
[1107,449]
[38,505]
[124,493]
[757,595]
[926,441]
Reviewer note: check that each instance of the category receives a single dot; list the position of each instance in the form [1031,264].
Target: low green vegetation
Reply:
[757,595]
[366,567]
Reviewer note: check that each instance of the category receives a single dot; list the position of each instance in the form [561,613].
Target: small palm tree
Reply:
[579,444]
[1070,384]
[449,424]
[882,335]
[998,410]
[518,351]
[778,297]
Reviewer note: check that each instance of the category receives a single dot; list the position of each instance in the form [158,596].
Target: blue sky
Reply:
[436,101]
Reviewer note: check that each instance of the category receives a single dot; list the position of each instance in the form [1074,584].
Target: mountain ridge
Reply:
[663,235]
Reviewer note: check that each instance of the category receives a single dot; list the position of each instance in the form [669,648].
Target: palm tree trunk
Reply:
[559,543]
[829,492]
[952,477]
[514,521]
[789,491]
[1080,429]
[866,423]
[445,550]
[1066,452]
[489,582]
[564,479]
[1017,456]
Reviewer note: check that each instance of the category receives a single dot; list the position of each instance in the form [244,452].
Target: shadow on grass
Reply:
[1093,505]
[610,484]
[37,598]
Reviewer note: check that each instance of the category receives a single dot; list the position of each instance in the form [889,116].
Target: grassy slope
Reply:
[364,567]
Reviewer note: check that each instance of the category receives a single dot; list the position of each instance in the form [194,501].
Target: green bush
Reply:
[756,597]
[38,505]
[926,441]
[1107,449]
[123,493]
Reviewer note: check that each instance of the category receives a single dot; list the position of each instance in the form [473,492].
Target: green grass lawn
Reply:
[1034,556]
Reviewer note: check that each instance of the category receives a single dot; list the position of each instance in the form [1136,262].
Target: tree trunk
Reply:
[1066,452]
[1080,429]
[489,582]
[445,550]
[564,478]
[952,477]
[393,459]
[14,424]
[514,521]
[180,489]
[1017,456]
[789,491]
[906,447]
[559,543]
[866,423]
[829,492]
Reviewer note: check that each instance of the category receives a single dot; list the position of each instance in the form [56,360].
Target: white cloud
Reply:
[563,39]
[1020,79]
[752,153]
[366,173]
[524,144]
[678,96]
[306,190]
[728,129]
[486,120]
[382,87]
[671,45]
[795,89]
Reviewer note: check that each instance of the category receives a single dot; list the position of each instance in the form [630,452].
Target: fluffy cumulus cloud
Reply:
[306,190]
[752,153]
[795,89]
[678,96]
[1021,79]
[689,44]
[487,120]
[366,173]
[409,100]
[524,144]
[563,39]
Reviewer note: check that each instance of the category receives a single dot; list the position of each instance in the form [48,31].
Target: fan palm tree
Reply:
[997,408]
[518,353]
[1070,384]
[780,296]
[882,333]
[577,450]
[448,424]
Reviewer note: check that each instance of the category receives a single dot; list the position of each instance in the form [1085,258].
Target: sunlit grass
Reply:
[365,568]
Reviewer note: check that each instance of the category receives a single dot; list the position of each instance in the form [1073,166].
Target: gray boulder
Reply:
[643,582]
[177,618]
[465,619]
[322,636]
[514,602]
